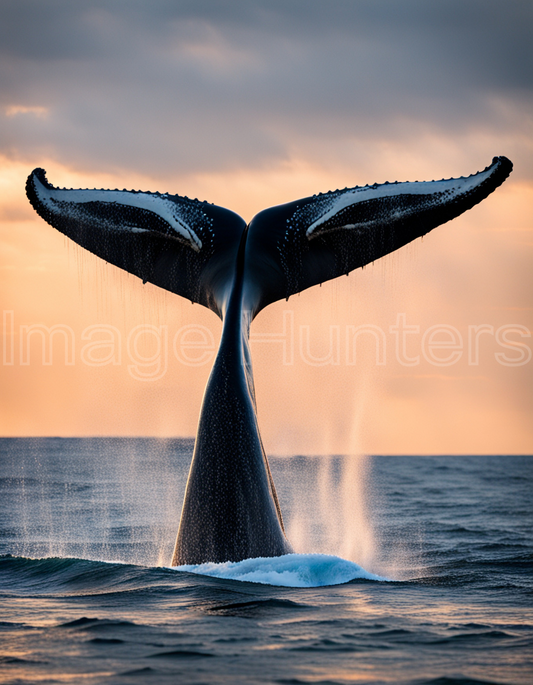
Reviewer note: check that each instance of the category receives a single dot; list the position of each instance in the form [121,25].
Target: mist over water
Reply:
[132,491]
[120,499]
[329,512]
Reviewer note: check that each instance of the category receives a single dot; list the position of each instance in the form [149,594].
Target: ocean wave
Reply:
[289,570]
[82,577]
[69,577]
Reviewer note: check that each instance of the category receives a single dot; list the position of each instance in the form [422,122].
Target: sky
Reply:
[249,104]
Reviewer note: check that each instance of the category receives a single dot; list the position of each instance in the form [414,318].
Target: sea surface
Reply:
[407,570]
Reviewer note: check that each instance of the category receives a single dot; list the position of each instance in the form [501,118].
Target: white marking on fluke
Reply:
[164,208]
[449,187]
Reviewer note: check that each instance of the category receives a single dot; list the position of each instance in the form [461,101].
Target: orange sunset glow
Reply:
[428,350]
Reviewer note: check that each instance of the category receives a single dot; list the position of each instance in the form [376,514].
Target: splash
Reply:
[331,514]
[289,570]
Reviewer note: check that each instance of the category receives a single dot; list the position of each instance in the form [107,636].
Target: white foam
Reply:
[289,570]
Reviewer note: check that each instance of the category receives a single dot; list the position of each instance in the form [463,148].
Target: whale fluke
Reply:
[185,246]
[310,241]
[189,247]
[209,255]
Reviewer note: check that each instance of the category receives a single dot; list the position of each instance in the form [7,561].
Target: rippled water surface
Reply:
[428,577]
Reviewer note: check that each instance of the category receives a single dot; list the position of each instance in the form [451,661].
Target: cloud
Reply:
[170,87]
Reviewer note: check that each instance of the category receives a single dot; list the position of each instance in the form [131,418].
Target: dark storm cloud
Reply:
[170,86]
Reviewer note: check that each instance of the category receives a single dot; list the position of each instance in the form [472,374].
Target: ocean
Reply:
[407,570]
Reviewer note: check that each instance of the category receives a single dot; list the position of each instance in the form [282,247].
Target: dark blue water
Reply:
[87,526]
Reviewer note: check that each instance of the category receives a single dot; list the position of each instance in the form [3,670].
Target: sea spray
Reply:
[330,513]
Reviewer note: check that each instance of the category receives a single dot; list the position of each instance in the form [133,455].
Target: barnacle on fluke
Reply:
[209,255]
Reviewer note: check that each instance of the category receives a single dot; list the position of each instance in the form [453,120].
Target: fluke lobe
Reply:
[209,255]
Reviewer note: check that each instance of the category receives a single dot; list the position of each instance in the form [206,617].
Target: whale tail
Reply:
[190,247]
[209,255]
